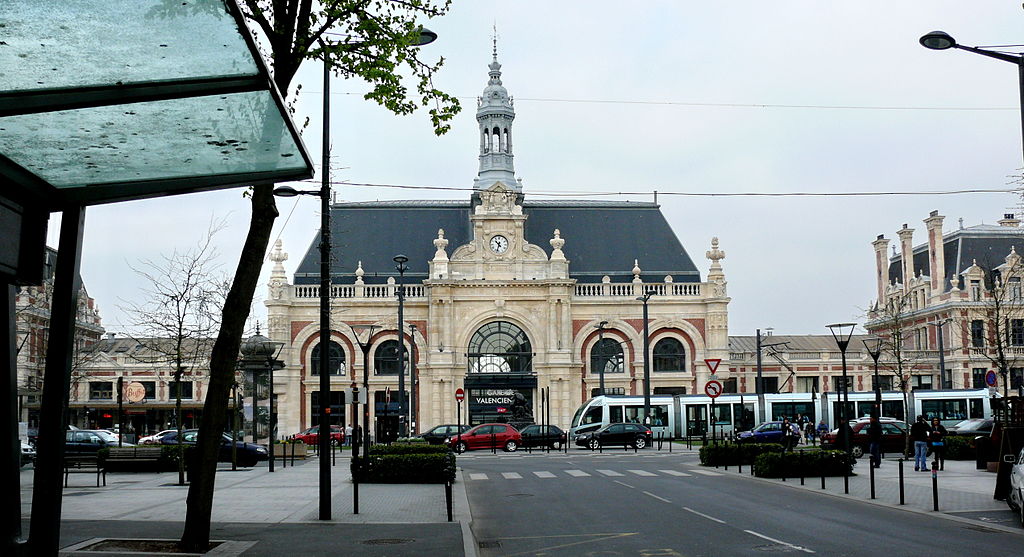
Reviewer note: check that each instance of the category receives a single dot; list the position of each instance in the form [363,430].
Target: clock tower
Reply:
[494,115]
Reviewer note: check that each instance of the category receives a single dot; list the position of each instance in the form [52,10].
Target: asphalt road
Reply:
[657,504]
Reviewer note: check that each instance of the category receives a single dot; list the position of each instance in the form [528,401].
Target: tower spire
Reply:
[494,115]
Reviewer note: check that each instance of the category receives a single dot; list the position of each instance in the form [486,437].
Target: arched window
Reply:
[500,347]
[385,358]
[336,363]
[669,355]
[606,355]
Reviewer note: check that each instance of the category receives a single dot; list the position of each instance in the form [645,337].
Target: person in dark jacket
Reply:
[937,442]
[919,435]
[875,441]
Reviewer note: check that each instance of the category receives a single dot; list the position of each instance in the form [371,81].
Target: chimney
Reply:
[110,336]
[881,245]
[907,251]
[1009,220]
[936,252]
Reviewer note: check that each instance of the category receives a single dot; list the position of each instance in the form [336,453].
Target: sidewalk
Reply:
[279,511]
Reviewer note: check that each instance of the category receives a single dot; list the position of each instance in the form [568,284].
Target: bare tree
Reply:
[998,301]
[890,320]
[377,40]
[180,314]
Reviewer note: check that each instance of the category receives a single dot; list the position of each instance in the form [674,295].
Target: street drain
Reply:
[489,544]
[387,541]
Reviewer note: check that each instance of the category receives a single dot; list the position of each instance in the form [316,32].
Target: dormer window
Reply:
[976,290]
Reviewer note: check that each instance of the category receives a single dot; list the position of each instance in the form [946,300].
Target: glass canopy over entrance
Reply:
[107,100]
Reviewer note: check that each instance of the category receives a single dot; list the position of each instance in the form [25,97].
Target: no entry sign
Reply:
[460,395]
[713,389]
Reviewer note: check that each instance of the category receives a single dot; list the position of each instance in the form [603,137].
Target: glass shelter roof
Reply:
[110,100]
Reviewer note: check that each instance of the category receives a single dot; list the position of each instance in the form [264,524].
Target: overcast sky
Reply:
[678,97]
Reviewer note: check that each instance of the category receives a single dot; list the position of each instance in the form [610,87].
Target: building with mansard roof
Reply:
[527,305]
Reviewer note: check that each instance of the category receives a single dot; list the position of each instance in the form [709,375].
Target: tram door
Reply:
[696,419]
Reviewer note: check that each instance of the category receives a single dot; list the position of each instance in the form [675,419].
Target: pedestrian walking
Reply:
[919,435]
[937,442]
[788,439]
[822,428]
[799,422]
[348,435]
[875,441]
[809,432]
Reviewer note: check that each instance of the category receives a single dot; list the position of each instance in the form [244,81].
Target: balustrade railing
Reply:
[360,291]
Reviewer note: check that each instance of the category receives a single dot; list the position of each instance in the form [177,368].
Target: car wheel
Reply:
[511,446]
[640,442]
[460,447]
[594,444]
[334,442]
[857,451]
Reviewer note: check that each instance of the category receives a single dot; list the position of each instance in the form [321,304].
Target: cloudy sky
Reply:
[678,97]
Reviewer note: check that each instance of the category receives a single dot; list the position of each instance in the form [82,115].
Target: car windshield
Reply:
[106,435]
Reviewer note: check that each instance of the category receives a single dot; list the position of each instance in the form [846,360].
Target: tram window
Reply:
[614,414]
[659,415]
[592,416]
[633,414]
[977,408]
[945,409]
[893,409]
[722,414]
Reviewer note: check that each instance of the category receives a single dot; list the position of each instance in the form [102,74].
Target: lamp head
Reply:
[285,191]
[842,333]
[424,37]
[938,40]
[873,346]
[400,259]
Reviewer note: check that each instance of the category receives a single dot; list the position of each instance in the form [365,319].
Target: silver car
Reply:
[1016,497]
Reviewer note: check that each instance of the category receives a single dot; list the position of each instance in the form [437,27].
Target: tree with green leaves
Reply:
[373,40]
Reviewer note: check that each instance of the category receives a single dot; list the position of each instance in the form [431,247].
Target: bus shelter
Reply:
[103,101]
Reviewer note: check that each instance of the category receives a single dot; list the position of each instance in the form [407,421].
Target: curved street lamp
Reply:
[874,348]
[401,260]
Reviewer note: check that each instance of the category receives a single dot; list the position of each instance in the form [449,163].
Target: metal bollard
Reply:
[935,484]
[334,456]
[901,482]
[822,480]
[448,498]
[494,448]
[740,467]
[801,478]
[872,468]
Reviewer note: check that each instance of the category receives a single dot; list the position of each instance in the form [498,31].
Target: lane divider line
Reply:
[780,542]
[698,513]
[624,484]
[658,498]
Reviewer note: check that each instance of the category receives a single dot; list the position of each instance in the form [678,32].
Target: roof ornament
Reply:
[716,256]
[636,271]
[556,246]
[440,243]
[359,273]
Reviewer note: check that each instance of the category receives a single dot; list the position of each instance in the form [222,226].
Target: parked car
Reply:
[88,441]
[543,436]
[248,453]
[893,436]
[486,436]
[28,453]
[972,427]
[155,438]
[635,435]
[311,436]
[1015,499]
[768,432]
[438,434]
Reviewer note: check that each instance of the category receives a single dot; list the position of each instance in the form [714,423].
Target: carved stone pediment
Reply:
[498,199]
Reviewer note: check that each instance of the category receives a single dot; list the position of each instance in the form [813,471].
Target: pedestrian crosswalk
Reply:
[600,472]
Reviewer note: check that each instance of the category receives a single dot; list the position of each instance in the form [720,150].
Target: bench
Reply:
[119,456]
[84,463]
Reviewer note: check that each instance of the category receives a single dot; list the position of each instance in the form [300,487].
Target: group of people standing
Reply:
[928,439]
[801,431]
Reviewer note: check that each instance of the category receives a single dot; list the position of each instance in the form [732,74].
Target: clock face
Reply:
[499,244]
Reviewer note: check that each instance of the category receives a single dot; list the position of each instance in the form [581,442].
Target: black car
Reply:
[248,453]
[438,434]
[635,435]
[972,427]
[542,436]
[87,442]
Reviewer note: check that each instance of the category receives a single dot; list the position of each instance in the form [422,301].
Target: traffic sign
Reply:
[713,389]
[502,409]
[460,395]
[990,378]
[712,364]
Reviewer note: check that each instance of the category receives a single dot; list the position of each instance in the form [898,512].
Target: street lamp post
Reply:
[842,332]
[647,358]
[874,348]
[943,383]
[401,260]
[364,334]
[601,358]
[940,40]
[413,421]
[260,353]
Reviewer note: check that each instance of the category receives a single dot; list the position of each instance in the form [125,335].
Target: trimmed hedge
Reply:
[731,454]
[959,448]
[415,448]
[405,468]
[803,464]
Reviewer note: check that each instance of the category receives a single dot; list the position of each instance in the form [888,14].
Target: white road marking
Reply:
[780,542]
[707,472]
[641,473]
[625,484]
[511,475]
[676,473]
[544,474]
[576,473]
[656,497]
[688,509]
[478,476]
[609,472]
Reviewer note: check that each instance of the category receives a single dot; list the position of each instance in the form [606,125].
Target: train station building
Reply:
[526,304]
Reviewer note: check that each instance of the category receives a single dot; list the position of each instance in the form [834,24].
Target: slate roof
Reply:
[988,244]
[601,238]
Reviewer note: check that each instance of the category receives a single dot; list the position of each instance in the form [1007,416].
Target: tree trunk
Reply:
[223,362]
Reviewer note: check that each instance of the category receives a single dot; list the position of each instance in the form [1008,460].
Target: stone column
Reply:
[881,245]
[936,252]
[907,249]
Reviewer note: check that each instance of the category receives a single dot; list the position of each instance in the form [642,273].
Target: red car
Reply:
[312,435]
[486,436]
